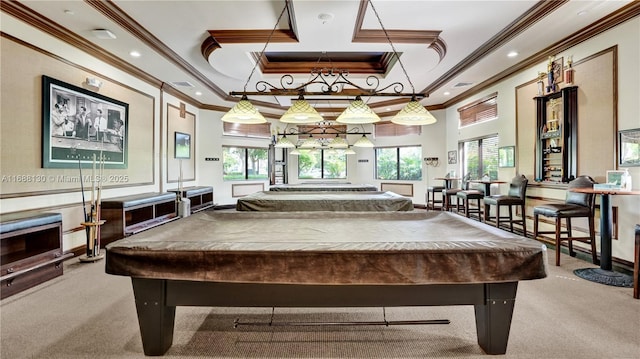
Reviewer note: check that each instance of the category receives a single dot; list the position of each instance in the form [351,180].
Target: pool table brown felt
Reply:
[316,259]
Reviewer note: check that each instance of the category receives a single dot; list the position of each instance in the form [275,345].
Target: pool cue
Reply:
[84,206]
[98,204]
[93,206]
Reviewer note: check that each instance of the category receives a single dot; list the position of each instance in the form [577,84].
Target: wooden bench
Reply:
[128,215]
[201,197]
[30,250]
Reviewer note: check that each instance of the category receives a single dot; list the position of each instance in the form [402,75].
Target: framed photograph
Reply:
[629,151]
[614,177]
[452,157]
[557,67]
[78,124]
[182,146]
[507,156]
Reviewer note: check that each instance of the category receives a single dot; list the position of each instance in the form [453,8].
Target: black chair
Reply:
[515,197]
[432,201]
[449,194]
[575,205]
[472,193]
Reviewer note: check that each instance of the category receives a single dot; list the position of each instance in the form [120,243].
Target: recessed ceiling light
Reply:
[512,54]
[69,12]
[103,34]
[135,53]
[582,12]
[325,17]
[198,93]
[447,93]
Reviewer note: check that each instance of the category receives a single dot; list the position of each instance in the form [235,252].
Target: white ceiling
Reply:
[182,26]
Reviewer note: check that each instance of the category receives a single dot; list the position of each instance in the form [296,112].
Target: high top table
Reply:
[487,185]
[447,181]
[605,274]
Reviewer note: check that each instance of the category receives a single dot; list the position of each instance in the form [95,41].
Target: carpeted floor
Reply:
[89,314]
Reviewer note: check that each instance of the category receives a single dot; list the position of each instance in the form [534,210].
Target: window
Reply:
[399,163]
[322,164]
[480,157]
[245,163]
[482,110]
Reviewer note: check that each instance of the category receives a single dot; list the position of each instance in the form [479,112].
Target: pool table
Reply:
[362,201]
[325,259]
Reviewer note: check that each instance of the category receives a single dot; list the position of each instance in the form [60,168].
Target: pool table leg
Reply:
[155,318]
[493,318]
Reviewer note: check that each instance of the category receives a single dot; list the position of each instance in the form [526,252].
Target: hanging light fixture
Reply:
[349,151]
[363,142]
[244,112]
[295,152]
[413,113]
[338,142]
[284,142]
[310,142]
[332,82]
[301,112]
[358,113]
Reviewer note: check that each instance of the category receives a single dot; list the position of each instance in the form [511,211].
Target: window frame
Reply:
[246,161]
[398,163]
[322,163]
[481,169]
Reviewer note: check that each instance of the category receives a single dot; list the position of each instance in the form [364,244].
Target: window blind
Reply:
[260,130]
[390,129]
[482,110]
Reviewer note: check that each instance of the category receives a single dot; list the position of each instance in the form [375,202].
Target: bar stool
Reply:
[448,194]
[432,201]
[575,205]
[471,194]
[515,197]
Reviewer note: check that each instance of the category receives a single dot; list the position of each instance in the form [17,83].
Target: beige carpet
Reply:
[89,314]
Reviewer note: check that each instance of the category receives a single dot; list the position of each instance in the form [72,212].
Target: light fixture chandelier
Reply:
[334,82]
[319,136]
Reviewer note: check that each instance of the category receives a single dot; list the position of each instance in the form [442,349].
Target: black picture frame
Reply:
[71,136]
[452,157]
[507,156]
[182,146]
[629,148]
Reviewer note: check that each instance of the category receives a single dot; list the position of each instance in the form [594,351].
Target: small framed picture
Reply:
[182,145]
[614,177]
[507,156]
[629,150]
[557,67]
[452,157]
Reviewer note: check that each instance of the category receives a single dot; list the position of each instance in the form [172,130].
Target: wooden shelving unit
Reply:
[129,215]
[556,140]
[30,251]
[200,197]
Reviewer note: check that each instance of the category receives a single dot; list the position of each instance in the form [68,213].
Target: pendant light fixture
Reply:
[358,113]
[301,112]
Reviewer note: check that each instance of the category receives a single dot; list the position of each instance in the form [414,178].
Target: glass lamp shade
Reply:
[413,113]
[301,112]
[358,113]
[294,152]
[244,112]
[349,151]
[284,142]
[363,142]
[310,143]
[338,142]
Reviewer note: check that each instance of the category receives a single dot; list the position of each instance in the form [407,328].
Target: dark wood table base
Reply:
[156,301]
